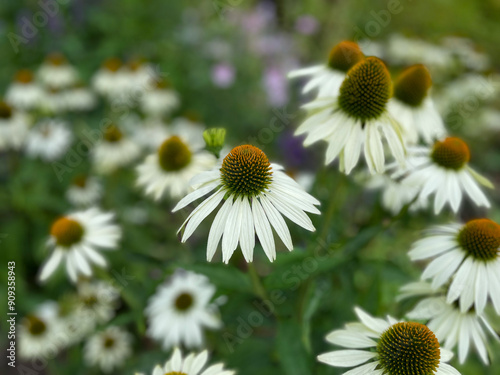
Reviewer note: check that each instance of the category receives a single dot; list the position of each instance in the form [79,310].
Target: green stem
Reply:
[258,288]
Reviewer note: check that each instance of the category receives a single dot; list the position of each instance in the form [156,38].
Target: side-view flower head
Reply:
[256,194]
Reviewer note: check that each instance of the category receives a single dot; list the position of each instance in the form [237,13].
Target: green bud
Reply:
[214,139]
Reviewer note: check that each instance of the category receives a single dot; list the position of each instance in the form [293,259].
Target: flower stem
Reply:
[258,288]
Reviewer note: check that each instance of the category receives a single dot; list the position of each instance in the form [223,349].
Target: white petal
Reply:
[346,358]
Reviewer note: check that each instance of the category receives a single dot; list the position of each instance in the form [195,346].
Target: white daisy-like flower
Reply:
[181,309]
[24,93]
[49,139]
[108,349]
[256,194]
[450,325]
[13,127]
[193,364]
[42,333]
[76,238]
[109,80]
[114,151]
[84,191]
[328,78]
[396,194]
[468,256]
[414,109]
[177,160]
[387,347]
[444,170]
[138,75]
[159,100]
[80,98]
[357,117]
[54,101]
[56,72]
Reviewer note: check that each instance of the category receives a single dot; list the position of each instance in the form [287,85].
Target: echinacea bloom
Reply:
[109,80]
[356,118]
[152,132]
[256,194]
[179,158]
[414,109]
[56,72]
[444,170]
[94,304]
[114,151]
[79,98]
[181,309]
[108,349]
[76,238]
[49,140]
[160,99]
[468,256]
[84,191]
[193,364]
[377,347]
[13,127]
[41,333]
[451,326]
[396,194]
[328,78]
[24,93]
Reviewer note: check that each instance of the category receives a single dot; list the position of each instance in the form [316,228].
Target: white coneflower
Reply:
[13,127]
[109,80]
[357,117]
[54,101]
[56,72]
[328,78]
[24,93]
[450,325]
[414,109]
[159,100]
[41,334]
[138,76]
[469,255]
[396,194]
[444,170]
[49,139]
[76,238]
[84,191]
[80,98]
[115,150]
[256,194]
[108,349]
[177,160]
[181,309]
[193,364]
[376,347]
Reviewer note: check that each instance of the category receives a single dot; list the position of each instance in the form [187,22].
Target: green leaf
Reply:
[294,358]
[224,276]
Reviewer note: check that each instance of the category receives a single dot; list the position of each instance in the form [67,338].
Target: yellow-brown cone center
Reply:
[344,55]
[174,154]
[66,231]
[112,134]
[246,171]
[184,301]
[112,64]
[408,349]
[35,325]
[412,85]
[24,76]
[5,111]
[481,239]
[366,89]
[452,153]
[56,59]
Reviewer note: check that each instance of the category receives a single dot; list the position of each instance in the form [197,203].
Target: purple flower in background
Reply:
[259,19]
[307,25]
[275,84]
[223,75]
[291,146]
